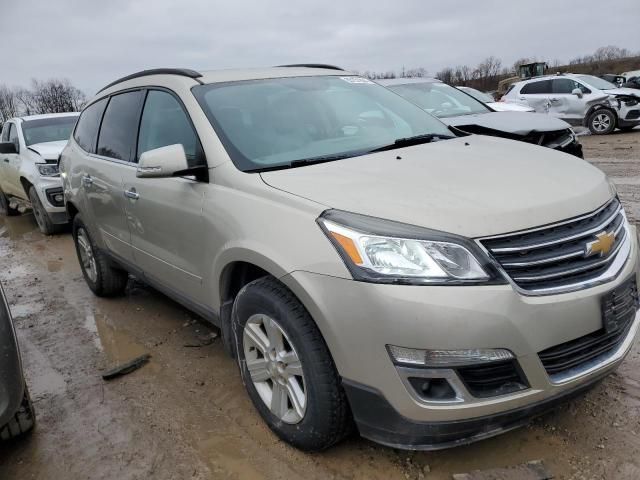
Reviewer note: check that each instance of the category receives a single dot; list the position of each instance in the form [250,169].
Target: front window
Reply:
[45,130]
[273,123]
[596,82]
[440,99]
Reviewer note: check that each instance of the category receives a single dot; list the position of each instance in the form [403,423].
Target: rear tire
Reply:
[277,337]
[46,226]
[22,422]
[102,278]
[602,122]
[5,209]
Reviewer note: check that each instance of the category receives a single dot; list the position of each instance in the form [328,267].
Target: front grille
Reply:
[492,379]
[557,257]
[618,309]
[555,139]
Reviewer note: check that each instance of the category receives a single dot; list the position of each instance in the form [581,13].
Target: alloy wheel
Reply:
[86,255]
[275,368]
[601,123]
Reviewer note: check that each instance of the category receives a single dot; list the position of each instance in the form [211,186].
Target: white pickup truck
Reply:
[29,177]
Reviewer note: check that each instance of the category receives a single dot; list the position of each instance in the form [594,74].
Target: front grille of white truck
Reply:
[564,256]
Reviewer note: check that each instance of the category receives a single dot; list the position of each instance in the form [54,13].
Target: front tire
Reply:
[102,278]
[22,422]
[602,122]
[5,209]
[287,368]
[46,226]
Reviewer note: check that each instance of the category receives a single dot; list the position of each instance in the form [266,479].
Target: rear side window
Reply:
[566,85]
[5,132]
[86,132]
[117,137]
[164,122]
[543,86]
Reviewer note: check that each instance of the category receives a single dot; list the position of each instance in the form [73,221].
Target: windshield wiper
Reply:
[313,160]
[415,140]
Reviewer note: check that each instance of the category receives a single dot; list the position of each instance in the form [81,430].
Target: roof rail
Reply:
[313,65]
[184,72]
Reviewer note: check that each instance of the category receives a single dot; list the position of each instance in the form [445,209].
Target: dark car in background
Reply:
[16,411]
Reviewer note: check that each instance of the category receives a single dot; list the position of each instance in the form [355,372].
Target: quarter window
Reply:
[543,86]
[13,137]
[86,132]
[164,122]
[5,132]
[117,137]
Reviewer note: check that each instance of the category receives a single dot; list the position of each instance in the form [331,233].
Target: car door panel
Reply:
[167,231]
[11,166]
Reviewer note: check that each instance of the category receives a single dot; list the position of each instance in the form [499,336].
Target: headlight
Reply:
[614,102]
[48,169]
[382,251]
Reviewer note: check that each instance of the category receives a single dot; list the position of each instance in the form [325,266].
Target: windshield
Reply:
[270,123]
[478,95]
[596,82]
[48,129]
[440,99]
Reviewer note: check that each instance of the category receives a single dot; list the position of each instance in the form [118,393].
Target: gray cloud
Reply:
[92,42]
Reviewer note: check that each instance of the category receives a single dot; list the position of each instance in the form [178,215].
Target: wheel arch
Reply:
[599,106]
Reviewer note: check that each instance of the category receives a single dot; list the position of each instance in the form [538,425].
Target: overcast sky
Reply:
[93,42]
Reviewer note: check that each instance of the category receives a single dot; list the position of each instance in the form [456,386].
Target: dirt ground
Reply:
[185,415]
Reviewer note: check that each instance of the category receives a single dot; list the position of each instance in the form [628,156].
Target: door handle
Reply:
[87,181]
[554,100]
[132,194]
[6,160]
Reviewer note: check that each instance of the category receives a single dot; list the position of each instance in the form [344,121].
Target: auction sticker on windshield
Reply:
[357,80]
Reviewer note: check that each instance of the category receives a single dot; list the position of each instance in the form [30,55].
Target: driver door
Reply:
[10,163]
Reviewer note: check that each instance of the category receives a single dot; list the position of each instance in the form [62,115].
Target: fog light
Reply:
[447,358]
[59,198]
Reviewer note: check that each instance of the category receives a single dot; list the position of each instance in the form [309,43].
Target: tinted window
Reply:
[117,137]
[5,132]
[164,122]
[13,137]
[543,86]
[86,132]
[48,129]
[566,85]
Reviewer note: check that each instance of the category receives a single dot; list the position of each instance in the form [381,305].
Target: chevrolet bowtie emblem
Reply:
[601,246]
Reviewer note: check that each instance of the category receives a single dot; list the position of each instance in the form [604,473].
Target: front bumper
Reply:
[359,319]
[46,188]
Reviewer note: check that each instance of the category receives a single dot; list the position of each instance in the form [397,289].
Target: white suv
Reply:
[580,100]
[29,178]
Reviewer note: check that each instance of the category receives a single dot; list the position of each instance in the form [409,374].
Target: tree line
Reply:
[44,96]
[486,74]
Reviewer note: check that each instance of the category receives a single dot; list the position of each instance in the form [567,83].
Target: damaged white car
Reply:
[580,100]
[467,114]
[29,177]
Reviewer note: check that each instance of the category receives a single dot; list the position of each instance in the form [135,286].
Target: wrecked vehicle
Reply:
[463,111]
[580,100]
[488,100]
[16,411]
[29,177]
[360,259]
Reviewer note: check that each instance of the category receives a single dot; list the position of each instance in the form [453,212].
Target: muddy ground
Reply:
[185,415]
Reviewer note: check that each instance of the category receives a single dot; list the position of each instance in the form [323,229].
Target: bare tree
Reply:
[54,96]
[610,52]
[446,75]
[8,103]
[418,72]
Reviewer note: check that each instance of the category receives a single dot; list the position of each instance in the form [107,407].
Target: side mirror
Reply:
[577,92]
[162,162]
[8,148]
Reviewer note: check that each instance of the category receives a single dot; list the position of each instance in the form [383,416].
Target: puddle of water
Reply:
[25,310]
[54,265]
[116,344]
[225,452]
[16,228]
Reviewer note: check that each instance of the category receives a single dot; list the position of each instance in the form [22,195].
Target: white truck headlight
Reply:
[414,255]
[48,169]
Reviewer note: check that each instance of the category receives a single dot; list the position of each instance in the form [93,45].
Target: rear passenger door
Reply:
[105,171]
[537,94]
[165,214]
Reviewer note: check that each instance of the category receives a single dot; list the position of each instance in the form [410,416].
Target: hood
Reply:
[49,150]
[623,91]
[517,123]
[472,186]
